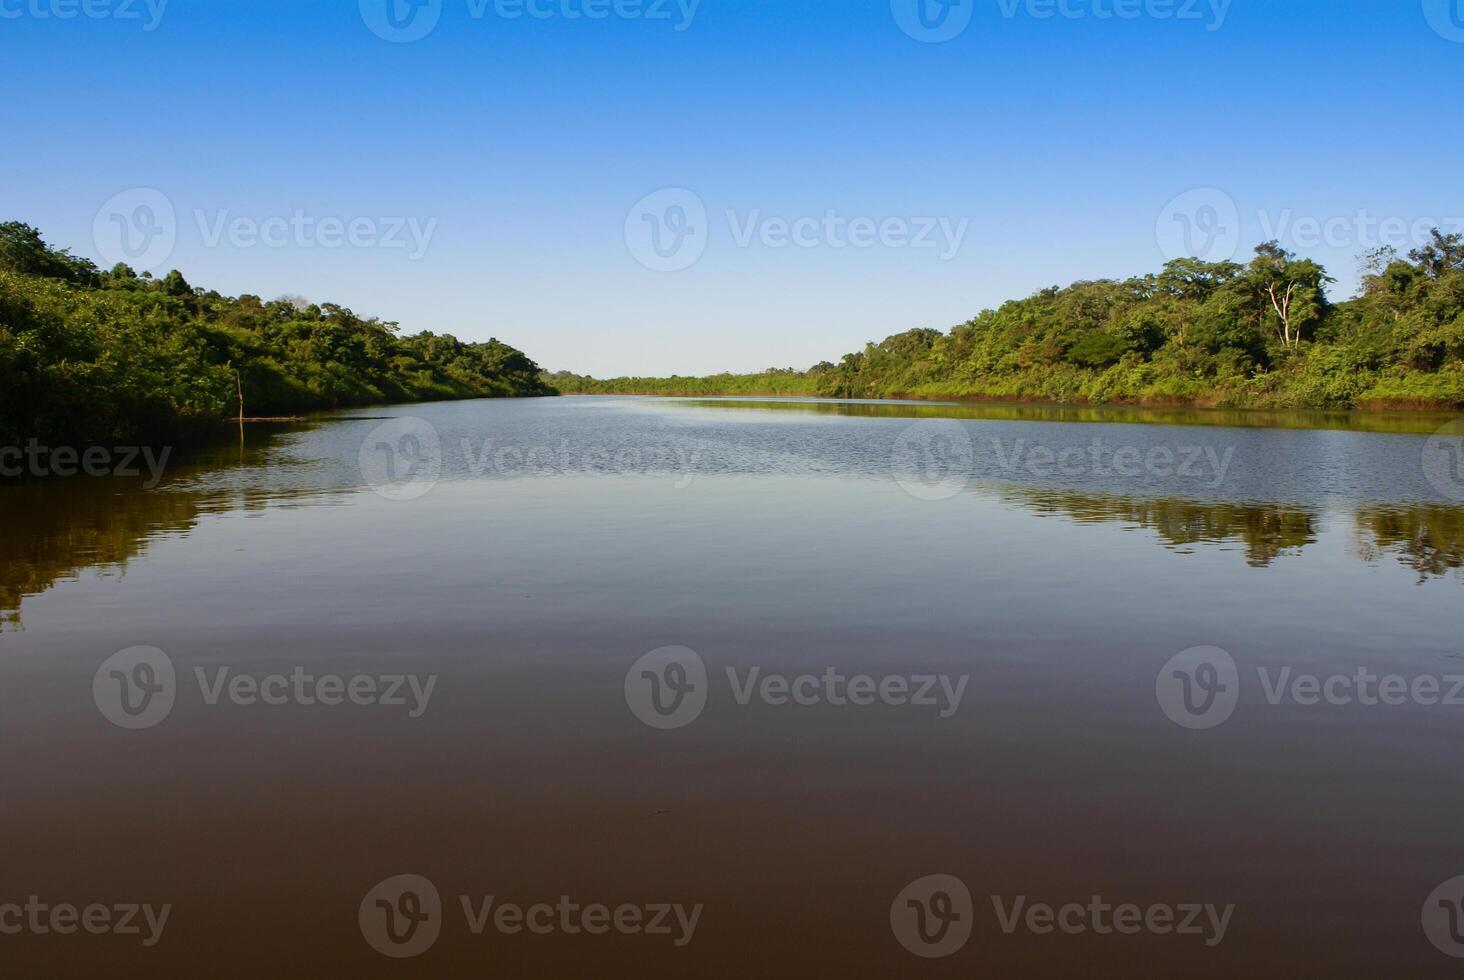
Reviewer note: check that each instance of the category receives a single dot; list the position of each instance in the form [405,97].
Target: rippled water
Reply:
[1050,564]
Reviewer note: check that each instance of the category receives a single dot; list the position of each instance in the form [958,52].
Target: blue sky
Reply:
[1053,140]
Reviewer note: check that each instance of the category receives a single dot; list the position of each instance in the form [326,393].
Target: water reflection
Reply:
[58,531]
[1265,531]
[1427,538]
[1416,423]
[1430,540]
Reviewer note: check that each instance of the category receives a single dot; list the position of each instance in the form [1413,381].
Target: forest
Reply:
[96,356]
[88,355]
[1264,334]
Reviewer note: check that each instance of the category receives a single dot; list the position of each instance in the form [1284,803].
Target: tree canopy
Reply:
[1260,334]
[94,356]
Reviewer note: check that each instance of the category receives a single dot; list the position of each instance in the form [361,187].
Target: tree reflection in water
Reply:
[59,530]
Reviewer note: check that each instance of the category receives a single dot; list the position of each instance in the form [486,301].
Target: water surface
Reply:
[527,554]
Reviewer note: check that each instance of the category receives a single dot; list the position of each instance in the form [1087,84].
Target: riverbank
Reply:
[91,357]
[1201,334]
[1441,393]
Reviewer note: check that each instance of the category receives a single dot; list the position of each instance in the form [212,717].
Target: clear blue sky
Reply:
[529,141]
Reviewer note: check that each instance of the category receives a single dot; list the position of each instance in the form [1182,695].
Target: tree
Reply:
[23,250]
[1294,289]
[175,285]
[1441,254]
[92,358]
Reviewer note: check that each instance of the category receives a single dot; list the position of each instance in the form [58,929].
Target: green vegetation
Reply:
[92,356]
[1213,334]
[773,381]
[1415,422]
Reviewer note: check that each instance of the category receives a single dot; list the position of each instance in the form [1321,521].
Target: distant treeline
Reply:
[1258,335]
[774,381]
[88,356]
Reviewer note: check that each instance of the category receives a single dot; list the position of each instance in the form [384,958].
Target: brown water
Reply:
[523,557]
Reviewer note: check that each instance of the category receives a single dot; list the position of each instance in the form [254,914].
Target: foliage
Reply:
[95,356]
[774,381]
[1220,334]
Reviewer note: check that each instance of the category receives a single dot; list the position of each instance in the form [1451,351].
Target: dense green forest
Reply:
[1263,334]
[773,381]
[93,356]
